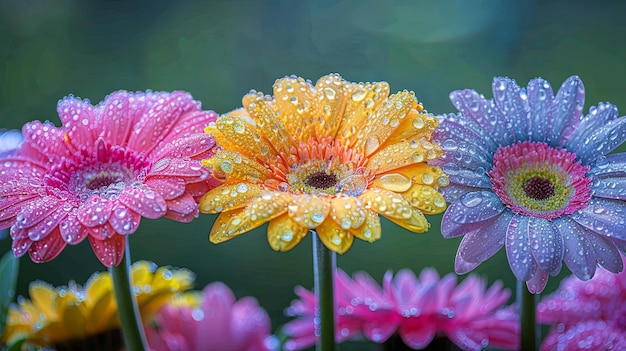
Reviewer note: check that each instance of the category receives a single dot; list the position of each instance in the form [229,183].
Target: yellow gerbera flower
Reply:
[63,315]
[329,157]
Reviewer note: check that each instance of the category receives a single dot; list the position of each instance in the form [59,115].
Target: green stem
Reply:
[132,329]
[529,333]
[324,272]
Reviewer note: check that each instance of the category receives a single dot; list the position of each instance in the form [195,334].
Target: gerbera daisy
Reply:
[529,172]
[74,317]
[134,155]
[586,315]
[212,320]
[419,311]
[329,158]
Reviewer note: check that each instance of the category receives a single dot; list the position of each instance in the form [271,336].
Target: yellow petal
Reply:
[74,319]
[233,166]
[333,237]
[329,104]
[363,99]
[98,286]
[233,133]
[418,173]
[267,122]
[348,212]
[309,211]
[260,210]
[45,298]
[102,315]
[387,203]
[294,101]
[371,230]
[385,121]
[416,125]
[403,154]
[228,196]
[141,274]
[416,223]
[425,198]
[283,233]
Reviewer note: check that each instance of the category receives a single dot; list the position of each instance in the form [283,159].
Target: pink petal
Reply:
[192,122]
[163,111]
[192,170]
[47,139]
[95,211]
[124,220]
[109,251]
[117,111]
[43,228]
[218,300]
[72,231]
[196,146]
[179,217]
[11,207]
[167,187]
[417,333]
[77,116]
[102,232]
[249,324]
[184,204]
[144,201]
[48,248]
[21,243]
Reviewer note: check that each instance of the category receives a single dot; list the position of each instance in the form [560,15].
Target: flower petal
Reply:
[512,102]
[45,227]
[566,110]
[607,254]
[540,97]
[364,99]
[188,169]
[597,118]
[283,233]
[309,211]
[334,237]
[579,255]
[402,154]
[476,178]
[370,231]
[537,282]
[48,248]
[417,333]
[228,197]
[347,211]
[47,139]
[237,167]
[610,188]
[234,133]
[546,244]
[124,220]
[387,203]
[329,103]
[167,187]
[195,146]
[36,211]
[76,115]
[475,106]
[109,251]
[71,230]
[479,246]
[604,216]
[20,242]
[425,198]
[294,99]
[417,223]
[267,123]
[518,249]
[473,207]
[185,205]
[95,211]
[145,201]
[121,117]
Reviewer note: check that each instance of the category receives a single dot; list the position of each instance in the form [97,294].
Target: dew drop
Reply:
[418,122]
[371,144]
[336,240]
[359,94]
[286,236]
[394,182]
[330,93]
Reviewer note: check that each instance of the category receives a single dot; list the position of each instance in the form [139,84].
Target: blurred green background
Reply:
[219,50]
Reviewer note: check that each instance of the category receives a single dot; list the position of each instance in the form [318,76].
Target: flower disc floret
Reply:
[328,157]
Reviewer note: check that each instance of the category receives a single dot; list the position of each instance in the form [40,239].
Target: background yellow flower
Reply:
[71,313]
[329,158]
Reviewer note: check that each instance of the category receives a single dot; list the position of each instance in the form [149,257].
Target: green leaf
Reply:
[16,346]
[9,267]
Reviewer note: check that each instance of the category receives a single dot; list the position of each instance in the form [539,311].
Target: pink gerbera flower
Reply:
[134,155]
[586,315]
[215,322]
[419,310]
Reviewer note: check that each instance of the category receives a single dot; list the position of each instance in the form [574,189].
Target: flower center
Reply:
[321,180]
[95,181]
[538,188]
[534,179]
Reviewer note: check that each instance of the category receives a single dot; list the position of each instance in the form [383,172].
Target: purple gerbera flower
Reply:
[529,172]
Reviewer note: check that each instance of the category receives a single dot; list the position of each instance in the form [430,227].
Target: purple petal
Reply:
[594,120]
[546,245]
[475,206]
[566,110]
[603,140]
[461,266]
[607,254]
[512,102]
[537,283]
[610,188]
[476,178]
[579,255]
[613,165]
[518,248]
[604,216]
[540,98]
[479,246]
[475,106]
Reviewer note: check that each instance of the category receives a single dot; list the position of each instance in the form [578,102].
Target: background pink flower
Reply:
[587,315]
[134,155]
[219,323]
[417,309]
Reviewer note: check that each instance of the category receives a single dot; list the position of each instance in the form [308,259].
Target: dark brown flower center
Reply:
[321,180]
[538,188]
